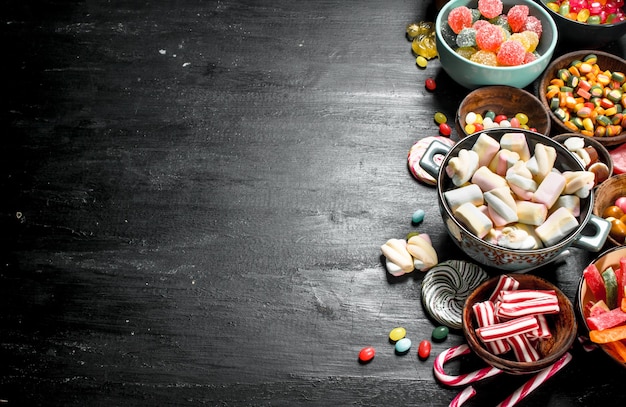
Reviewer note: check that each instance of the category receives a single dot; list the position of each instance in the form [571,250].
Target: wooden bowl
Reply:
[603,153]
[606,61]
[563,327]
[609,258]
[605,196]
[504,100]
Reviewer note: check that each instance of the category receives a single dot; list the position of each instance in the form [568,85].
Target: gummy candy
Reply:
[533,24]
[529,57]
[466,38]
[489,37]
[484,58]
[511,53]
[480,23]
[459,18]
[490,8]
[466,52]
[517,17]
[528,39]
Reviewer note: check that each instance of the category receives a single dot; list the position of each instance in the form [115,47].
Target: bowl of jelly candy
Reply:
[587,23]
[593,96]
[501,106]
[477,45]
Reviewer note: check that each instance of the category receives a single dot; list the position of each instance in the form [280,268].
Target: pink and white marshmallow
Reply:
[469,193]
[542,162]
[486,147]
[557,226]
[549,189]
[502,161]
[398,259]
[488,180]
[516,142]
[474,219]
[501,204]
[461,168]
[531,213]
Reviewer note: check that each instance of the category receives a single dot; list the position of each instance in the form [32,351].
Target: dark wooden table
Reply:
[194,195]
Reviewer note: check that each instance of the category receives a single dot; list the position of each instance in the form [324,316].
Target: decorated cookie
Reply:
[417,151]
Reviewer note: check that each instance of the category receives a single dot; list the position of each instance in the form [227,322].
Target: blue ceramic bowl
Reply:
[583,35]
[473,75]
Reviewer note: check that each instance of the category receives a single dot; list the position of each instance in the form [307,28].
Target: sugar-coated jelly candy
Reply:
[367,354]
[466,38]
[440,333]
[459,18]
[511,53]
[489,37]
[484,58]
[396,334]
[418,216]
[490,8]
[516,17]
[403,345]
[423,351]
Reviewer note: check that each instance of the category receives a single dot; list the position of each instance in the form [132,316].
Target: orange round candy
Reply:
[613,211]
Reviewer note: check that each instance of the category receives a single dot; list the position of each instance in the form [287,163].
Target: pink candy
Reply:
[490,8]
[460,18]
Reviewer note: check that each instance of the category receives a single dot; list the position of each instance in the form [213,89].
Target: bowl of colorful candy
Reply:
[494,42]
[592,154]
[601,302]
[501,106]
[585,92]
[519,323]
[513,199]
[587,23]
[610,204]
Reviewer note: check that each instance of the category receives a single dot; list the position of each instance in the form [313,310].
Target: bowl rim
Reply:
[579,297]
[509,365]
[546,76]
[445,10]
[503,88]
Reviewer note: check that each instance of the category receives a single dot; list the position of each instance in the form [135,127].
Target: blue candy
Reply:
[418,216]
[403,345]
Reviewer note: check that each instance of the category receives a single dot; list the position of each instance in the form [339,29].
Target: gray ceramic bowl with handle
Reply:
[491,255]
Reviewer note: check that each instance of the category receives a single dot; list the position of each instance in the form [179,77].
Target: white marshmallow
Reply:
[486,147]
[474,219]
[502,207]
[458,196]
[487,180]
[531,213]
[556,227]
[550,189]
[461,168]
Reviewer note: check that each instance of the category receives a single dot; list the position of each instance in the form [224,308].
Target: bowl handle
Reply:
[594,243]
[427,162]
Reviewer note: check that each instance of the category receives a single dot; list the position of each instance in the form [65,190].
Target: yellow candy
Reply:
[421,61]
[396,334]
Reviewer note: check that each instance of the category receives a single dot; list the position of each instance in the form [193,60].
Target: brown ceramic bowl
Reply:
[609,258]
[603,153]
[606,61]
[606,194]
[563,327]
[505,100]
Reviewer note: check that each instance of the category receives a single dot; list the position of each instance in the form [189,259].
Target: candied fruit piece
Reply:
[484,58]
[459,18]
[466,38]
[490,8]
[511,53]
[517,16]
[489,37]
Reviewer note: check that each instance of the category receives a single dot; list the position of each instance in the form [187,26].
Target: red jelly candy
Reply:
[444,129]
[516,17]
[533,24]
[460,18]
[490,8]
[367,354]
[529,57]
[511,53]
[430,84]
[489,37]
[424,349]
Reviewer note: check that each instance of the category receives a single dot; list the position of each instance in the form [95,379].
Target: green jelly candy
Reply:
[610,283]
[440,333]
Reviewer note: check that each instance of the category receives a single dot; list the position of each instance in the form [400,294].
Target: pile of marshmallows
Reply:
[512,198]
[515,319]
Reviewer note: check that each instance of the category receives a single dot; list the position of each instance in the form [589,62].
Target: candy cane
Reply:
[463,379]
[462,397]
[536,381]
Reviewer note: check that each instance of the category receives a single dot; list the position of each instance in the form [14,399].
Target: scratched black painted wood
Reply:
[193,198]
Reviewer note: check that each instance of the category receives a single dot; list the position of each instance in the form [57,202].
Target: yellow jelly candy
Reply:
[466,52]
[425,46]
[396,334]
[484,58]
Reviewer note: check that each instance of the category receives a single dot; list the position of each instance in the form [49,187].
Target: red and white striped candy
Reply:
[525,295]
[463,379]
[543,305]
[463,396]
[543,331]
[522,348]
[506,329]
[505,283]
[485,316]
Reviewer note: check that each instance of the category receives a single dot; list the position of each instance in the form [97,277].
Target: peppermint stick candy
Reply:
[463,379]
[462,397]
[536,381]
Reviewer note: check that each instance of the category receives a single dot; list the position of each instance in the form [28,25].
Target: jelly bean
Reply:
[367,354]
[613,211]
[421,61]
[618,230]
[411,234]
[396,334]
[621,202]
[423,351]
[440,333]
[470,128]
[440,118]
[471,118]
[418,216]
[445,129]
[430,84]
[403,345]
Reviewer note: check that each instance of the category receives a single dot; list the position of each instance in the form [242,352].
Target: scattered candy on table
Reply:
[396,334]
[588,99]
[423,351]
[367,354]
[430,84]
[403,345]
[440,333]
[422,37]
[418,216]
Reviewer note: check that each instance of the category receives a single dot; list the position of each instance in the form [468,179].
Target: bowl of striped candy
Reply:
[601,302]
[519,323]
[494,42]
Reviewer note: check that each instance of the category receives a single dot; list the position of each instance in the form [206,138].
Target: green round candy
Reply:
[411,234]
[440,333]
[440,118]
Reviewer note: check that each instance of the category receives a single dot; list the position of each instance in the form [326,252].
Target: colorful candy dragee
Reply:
[514,319]
[606,313]
[511,198]
[477,121]
[590,11]
[588,99]
[490,36]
